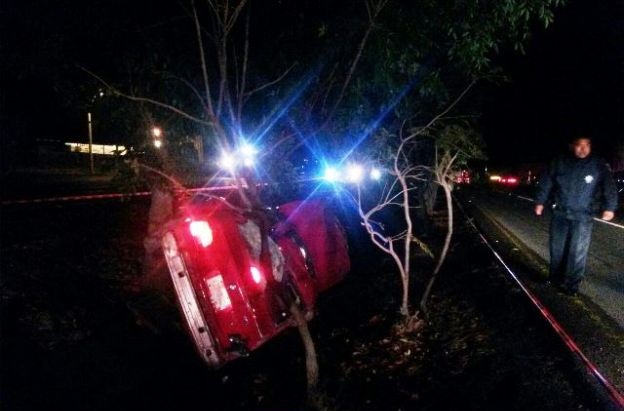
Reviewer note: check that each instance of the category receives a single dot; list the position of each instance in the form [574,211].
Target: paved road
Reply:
[604,282]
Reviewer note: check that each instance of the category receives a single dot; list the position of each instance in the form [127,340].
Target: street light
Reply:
[156,135]
[91,166]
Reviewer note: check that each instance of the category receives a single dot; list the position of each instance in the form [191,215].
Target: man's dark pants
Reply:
[569,245]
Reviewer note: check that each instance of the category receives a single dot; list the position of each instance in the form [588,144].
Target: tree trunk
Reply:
[405,300]
[407,258]
[161,210]
[430,196]
[447,243]
[198,143]
[312,371]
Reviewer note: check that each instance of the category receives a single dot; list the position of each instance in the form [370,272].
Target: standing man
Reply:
[574,182]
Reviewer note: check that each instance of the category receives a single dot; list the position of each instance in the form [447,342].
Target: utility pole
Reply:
[90,143]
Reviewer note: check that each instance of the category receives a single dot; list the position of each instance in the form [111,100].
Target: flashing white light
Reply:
[331,174]
[248,154]
[375,174]
[158,143]
[227,162]
[355,173]
[247,150]
[156,132]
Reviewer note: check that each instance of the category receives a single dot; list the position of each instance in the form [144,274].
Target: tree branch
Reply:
[147,100]
[243,80]
[372,16]
[443,113]
[202,56]
[190,86]
[271,83]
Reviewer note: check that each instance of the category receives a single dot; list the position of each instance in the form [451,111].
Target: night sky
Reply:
[569,82]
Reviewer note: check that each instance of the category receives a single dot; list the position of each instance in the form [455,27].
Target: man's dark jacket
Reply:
[576,185]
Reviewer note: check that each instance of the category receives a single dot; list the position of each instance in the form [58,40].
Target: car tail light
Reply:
[202,232]
[219,296]
[509,180]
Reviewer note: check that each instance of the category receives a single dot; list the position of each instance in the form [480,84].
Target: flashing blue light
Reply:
[375,174]
[331,174]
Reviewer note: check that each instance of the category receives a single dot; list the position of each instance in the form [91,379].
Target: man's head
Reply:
[581,147]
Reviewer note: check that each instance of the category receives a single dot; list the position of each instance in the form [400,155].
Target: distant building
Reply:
[99,149]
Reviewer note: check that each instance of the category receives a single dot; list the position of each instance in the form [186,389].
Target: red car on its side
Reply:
[236,273]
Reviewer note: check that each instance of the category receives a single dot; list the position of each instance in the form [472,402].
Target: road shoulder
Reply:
[597,334]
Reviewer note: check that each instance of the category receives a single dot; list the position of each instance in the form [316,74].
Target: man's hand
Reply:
[608,215]
[539,209]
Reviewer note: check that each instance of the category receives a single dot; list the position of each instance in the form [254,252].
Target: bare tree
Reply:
[454,145]
[397,193]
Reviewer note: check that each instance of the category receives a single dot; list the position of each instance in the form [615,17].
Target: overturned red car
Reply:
[236,273]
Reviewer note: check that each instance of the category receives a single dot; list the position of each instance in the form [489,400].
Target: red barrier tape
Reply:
[105,196]
[616,396]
